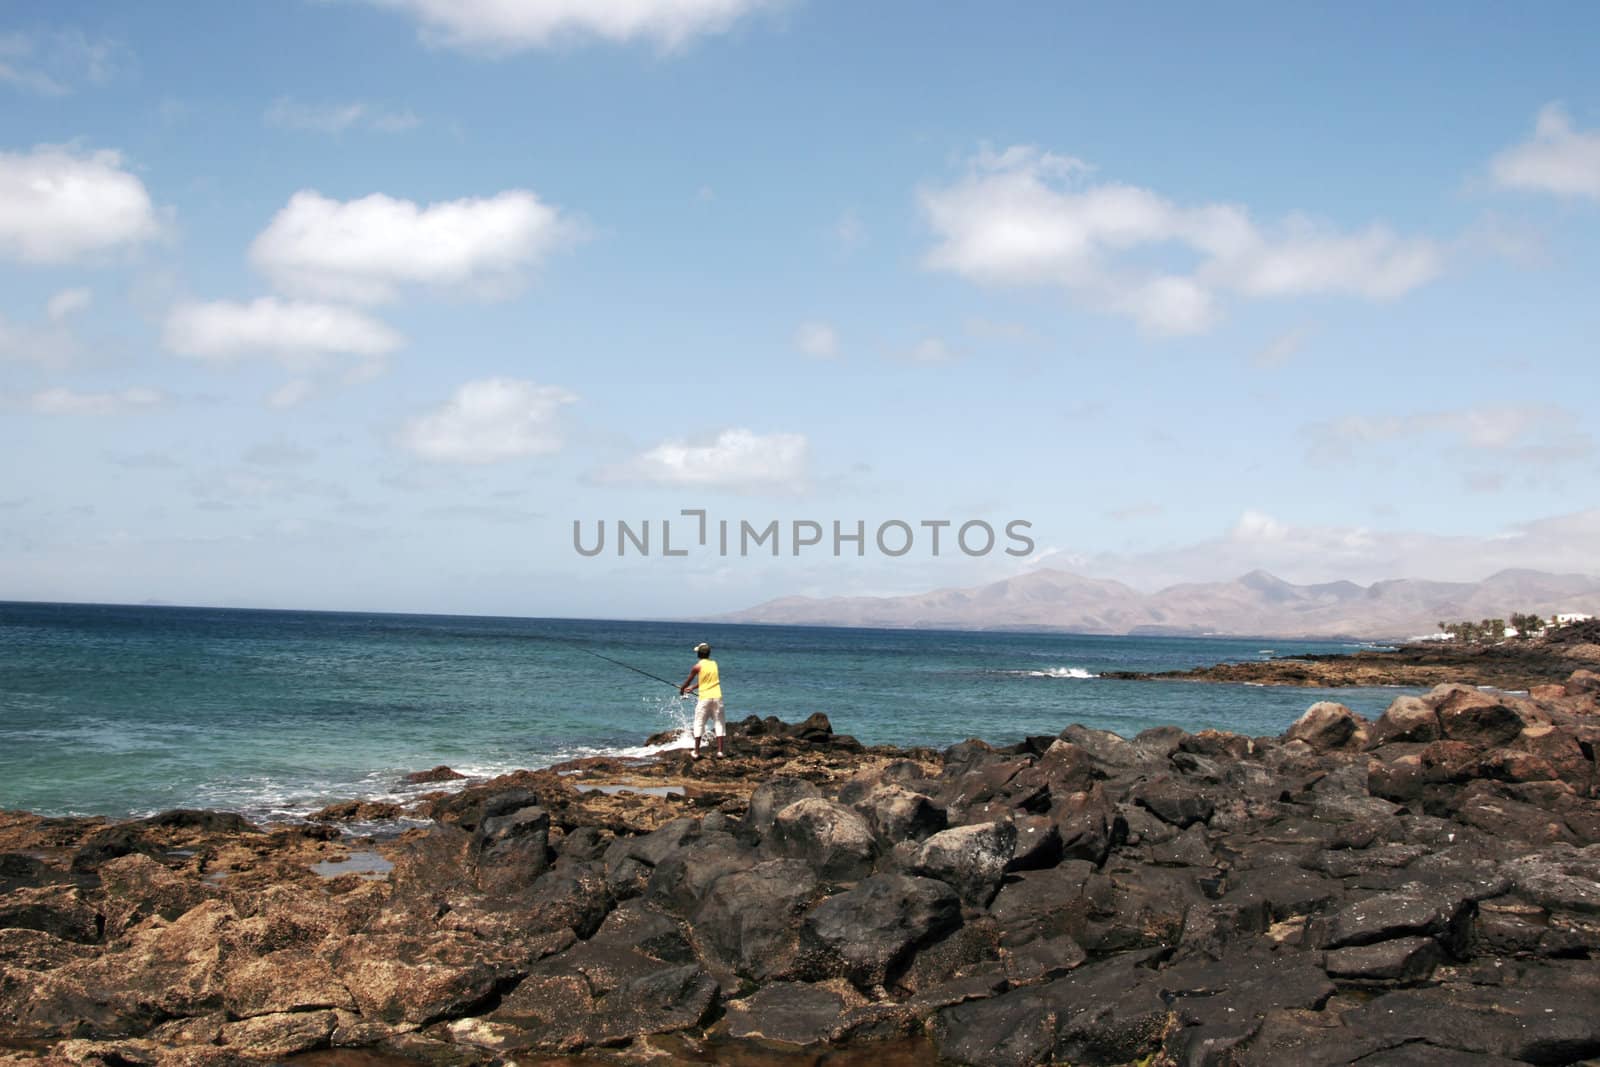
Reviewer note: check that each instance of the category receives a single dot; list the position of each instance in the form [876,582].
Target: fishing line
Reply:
[630,667]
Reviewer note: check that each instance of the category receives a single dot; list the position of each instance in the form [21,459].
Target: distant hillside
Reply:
[1257,603]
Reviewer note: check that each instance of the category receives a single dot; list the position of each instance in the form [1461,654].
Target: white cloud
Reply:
[849,232]
[1257,526]
[817,339]
[1561,544]
[297,333]
[1556,159]
[490,420]
[365,250]
[928,350]
[506,26]
[288,114]
[49,344]
[1281,349]
[999,330]
[34,81]
[67,303]
[68,402]
[1532,433]
[53,63]
[291,394]
[58,205]
[735,459]
[1028,217]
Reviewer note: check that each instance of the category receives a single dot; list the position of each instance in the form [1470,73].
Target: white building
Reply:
[1572,616]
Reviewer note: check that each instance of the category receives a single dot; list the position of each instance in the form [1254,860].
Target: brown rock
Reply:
[57,910]
[1326,725]
[272,1036]
[1583,683]
[1449,761]
[291,980]
[1509,765]
[359,811]
[1478,718]
[137,888]
[413,980]
[440,773]
[1407,719]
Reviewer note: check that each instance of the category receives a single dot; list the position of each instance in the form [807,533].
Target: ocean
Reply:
[124,711]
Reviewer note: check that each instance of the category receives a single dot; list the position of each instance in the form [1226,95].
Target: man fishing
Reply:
[704,676]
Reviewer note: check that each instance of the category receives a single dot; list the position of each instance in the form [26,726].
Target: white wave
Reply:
[1060,672]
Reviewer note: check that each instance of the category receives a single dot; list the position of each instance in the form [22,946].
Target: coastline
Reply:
[1509,665]
[1422,881]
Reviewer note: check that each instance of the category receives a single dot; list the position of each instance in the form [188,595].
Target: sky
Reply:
[393,305]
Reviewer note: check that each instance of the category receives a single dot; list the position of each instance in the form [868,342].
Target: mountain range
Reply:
[1257,604]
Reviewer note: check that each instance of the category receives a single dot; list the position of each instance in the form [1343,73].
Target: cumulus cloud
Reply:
[500,26]
[489,420]
[69,402]
[366,250]
[288,114]
[736,459]
[1257,527]
[60,205]
[1558,159]
[1028,217]
[817,339]
[296,333]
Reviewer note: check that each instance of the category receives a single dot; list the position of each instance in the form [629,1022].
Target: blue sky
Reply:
[362,303]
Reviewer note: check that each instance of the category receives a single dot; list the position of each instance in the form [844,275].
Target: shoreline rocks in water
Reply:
[1423,888]
[1513,664]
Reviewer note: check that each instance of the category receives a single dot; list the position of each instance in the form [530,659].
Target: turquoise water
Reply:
[121,710]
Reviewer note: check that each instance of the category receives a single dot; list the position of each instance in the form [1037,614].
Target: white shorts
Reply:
[709,708]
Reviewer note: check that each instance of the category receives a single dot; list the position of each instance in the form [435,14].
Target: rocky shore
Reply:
[1420,889]
[1515,665]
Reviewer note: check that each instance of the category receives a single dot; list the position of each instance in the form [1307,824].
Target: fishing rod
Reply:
[629,666]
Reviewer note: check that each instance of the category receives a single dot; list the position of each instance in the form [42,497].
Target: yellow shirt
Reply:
[710,683]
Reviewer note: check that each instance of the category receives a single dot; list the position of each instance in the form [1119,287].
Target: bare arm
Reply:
[693,679]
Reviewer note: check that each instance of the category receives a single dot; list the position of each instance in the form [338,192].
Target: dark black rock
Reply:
[684,877]
[1174,801]
[1440,912]
[791,1013]
[833,839]
[973,859]
[750,920]
[868,933]
[513,849]
[640,926]
[770,798]
[1404,959]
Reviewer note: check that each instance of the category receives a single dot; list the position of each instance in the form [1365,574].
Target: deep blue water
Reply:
[120,710]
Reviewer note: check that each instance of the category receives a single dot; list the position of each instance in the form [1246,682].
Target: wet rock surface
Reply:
[1420,889]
